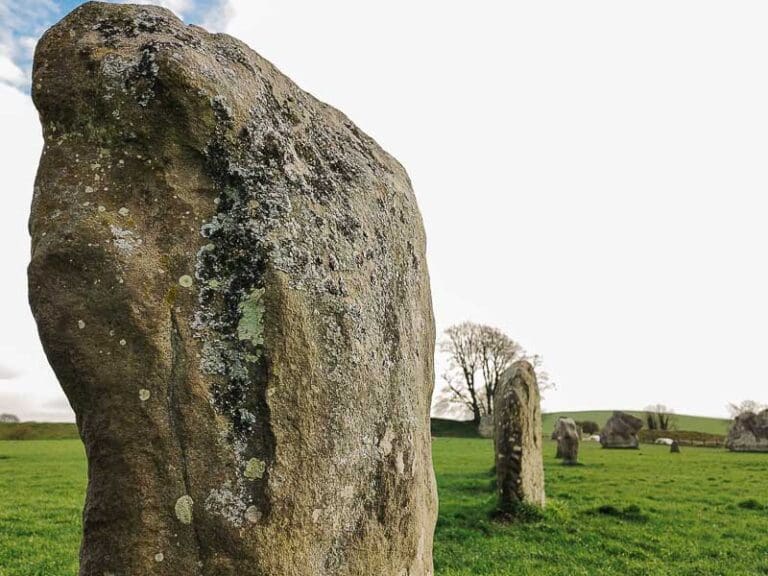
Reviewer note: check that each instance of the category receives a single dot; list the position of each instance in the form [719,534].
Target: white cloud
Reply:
[9,72]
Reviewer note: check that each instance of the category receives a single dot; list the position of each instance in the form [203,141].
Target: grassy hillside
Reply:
[38,431]
[465,429]
[680,422]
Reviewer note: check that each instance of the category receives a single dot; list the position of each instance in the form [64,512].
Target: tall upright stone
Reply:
[229,280]
[518,443]
[568,437]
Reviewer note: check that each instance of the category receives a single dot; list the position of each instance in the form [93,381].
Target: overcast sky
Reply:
[592,177]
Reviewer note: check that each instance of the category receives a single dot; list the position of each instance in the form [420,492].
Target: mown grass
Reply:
[639,512]
[635,512]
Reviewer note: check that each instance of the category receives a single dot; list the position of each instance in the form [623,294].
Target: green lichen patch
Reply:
[183,509]
[251,325]
[254,469]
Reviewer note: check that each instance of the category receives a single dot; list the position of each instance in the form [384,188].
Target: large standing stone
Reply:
[229,280]
[567,433]
[749,433]
[485,428]
[517,423]
[620,431]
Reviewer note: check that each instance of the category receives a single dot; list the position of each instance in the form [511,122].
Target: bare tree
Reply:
[477,357]
[659,417]
[497,353]
[8,418]
[461,344]
[745,406]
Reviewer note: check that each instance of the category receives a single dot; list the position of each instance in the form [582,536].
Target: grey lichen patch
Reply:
[183,509]
[254,469]
[80,324]
[159,557]
[252,514]
[251,325]
[186,281]
[144,394]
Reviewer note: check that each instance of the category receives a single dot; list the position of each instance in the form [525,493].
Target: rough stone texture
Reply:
[567,440]
[749,433]
[620,431]
[517,425]
[229,280]
[485,428]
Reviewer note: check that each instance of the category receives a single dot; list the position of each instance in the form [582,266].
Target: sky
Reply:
[592,177]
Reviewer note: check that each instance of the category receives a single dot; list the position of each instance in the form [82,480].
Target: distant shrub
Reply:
[751,504]
[588,427]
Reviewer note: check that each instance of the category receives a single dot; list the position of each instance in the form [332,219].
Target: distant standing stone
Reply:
[518,443]
[621,431]
[485,428]
[749,433]
[567,440]
[229,279]
[674,448]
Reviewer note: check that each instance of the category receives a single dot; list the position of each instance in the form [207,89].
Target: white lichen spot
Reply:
[80,324]
[385,443]
[124,240]
[123,211]
[316,515]
[144,394]
[186,281]
[123,342]
[254,469]
[399,463]
[252,514]
[89,190]
[159,557]
[101,209]
[183,509]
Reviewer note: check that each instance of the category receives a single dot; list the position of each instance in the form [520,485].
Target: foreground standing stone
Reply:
[749,433]
[567,435]
[620,431]
[517,424]
[229,280]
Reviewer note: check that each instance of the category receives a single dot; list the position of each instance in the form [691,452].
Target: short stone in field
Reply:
[749,433]
[620,431]
[674,448]
[229,280]
[485,428]
[518,443]
[568,438]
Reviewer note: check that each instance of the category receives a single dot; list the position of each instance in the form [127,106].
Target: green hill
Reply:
[465,429]
[38,431]
[679,422]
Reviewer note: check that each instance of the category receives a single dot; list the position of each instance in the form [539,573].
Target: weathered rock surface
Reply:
[620,431]
[749,433]
[485,428]
[568,437]
[229,280]
[674,448]
[517,424]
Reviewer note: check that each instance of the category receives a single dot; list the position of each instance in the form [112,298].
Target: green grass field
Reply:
[639,512]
